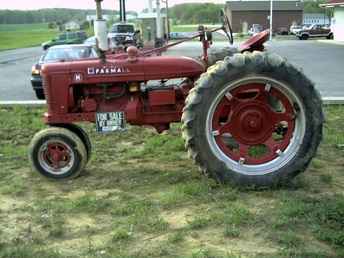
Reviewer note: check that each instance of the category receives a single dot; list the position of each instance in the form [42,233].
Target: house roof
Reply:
[333,3]
[264,5]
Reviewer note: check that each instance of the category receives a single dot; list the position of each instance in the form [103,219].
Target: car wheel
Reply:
[40,94]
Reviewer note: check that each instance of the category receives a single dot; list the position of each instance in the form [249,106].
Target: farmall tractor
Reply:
[250,118]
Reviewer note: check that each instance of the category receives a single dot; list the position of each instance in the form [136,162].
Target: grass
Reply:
[191,27]
[24,35]
[140,196]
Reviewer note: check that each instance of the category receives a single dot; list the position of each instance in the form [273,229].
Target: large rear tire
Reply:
[219,54]
[57,153]
[253,119]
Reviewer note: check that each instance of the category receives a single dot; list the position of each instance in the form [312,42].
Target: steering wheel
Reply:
[226,27]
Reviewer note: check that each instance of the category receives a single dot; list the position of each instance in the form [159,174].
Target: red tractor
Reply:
[251,119]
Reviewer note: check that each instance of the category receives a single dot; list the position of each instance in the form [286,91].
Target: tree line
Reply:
[56,15]
[193,13]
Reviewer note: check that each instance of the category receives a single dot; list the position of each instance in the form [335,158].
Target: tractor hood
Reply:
[124,70]
[169,67]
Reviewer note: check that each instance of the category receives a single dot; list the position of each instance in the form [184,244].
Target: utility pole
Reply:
[122,13]
[167,20]
[271,7]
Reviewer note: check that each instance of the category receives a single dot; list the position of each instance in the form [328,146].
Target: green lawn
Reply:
[24,35]
[140,196]
[190,27]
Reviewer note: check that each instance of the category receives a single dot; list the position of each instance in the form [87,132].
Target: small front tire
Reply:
[57,153]
[82,135]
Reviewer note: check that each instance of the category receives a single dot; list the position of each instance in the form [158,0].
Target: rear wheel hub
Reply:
[253,124]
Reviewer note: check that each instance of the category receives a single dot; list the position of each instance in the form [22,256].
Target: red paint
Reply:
[76,90]
[162,97]
[56,155]
[250,120]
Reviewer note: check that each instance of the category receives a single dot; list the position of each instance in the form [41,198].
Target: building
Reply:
[148,26]
[316,18]
[337,23]
[72,25]
[243,14]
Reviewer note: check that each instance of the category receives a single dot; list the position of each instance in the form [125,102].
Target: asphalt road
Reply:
[15,72]
[322,62]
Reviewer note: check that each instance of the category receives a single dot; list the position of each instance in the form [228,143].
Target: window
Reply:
[63,36]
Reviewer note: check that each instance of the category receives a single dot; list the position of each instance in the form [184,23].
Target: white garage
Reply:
[337,23]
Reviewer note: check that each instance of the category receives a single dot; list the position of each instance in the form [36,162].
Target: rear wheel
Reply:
[253,119]
[220,54]
[57,153]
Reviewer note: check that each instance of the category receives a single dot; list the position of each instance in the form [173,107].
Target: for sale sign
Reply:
[107,122]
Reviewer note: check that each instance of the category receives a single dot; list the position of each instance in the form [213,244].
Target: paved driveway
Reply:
[15,71]
[322,62]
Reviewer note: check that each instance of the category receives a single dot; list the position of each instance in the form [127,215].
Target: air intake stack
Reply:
[100,30]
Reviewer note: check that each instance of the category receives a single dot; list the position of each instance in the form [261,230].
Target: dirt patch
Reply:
[177,218]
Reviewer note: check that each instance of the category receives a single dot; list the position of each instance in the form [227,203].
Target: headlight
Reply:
[35,71]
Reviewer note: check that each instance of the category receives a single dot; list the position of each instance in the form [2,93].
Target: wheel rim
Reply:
[56,157]
[255,125]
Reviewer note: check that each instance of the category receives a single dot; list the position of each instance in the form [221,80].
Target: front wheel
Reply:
[304,37]
[40,94]
[253,119]
[330,36]
[82,135]
[57,153]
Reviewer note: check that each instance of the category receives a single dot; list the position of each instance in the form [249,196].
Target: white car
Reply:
[294,29]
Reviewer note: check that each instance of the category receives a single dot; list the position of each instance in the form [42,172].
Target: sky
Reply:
[132,5]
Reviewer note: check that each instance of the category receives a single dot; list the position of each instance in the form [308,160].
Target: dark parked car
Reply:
[76,37]
[124,34]
[55,54]
[313,31]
